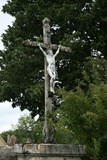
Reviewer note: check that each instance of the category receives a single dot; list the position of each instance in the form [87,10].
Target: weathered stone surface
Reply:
[2,142]
[6,153]
[50,158]
[49,151]
[42,152]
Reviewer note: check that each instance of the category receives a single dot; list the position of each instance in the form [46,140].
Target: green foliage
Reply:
[26,129]
[86,115]
[29,129]
[78,24]
[81,25]
[63,134]
[103,146]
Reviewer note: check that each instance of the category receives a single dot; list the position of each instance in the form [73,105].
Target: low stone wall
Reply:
[42,152]
[49,151]
[6,153]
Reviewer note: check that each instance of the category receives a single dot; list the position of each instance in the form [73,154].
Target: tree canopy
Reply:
[80,25]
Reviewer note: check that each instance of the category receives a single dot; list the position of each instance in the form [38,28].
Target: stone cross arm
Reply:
[54,46]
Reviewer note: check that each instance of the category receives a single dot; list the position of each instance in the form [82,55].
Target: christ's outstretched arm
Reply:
[57,52]
[42,49]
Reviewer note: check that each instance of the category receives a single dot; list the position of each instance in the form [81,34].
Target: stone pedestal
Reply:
[49,151]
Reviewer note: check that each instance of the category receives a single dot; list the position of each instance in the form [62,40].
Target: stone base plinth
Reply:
[49,151]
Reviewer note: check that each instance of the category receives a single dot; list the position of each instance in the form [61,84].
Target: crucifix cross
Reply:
[49,69]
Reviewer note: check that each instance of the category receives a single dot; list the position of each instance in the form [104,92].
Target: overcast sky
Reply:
[8,115]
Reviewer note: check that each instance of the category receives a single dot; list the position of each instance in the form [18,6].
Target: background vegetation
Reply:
[80,25]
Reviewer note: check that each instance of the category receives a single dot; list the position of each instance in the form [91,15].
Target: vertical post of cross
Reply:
[47,134]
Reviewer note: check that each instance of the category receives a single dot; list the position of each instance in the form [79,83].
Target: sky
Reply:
[8,115]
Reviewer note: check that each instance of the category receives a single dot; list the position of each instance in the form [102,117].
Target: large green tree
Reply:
[78,24]
[84,110]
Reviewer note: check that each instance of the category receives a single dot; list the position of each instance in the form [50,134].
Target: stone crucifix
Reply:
[50,74]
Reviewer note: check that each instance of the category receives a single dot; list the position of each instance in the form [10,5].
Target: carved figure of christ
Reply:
[50,58]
